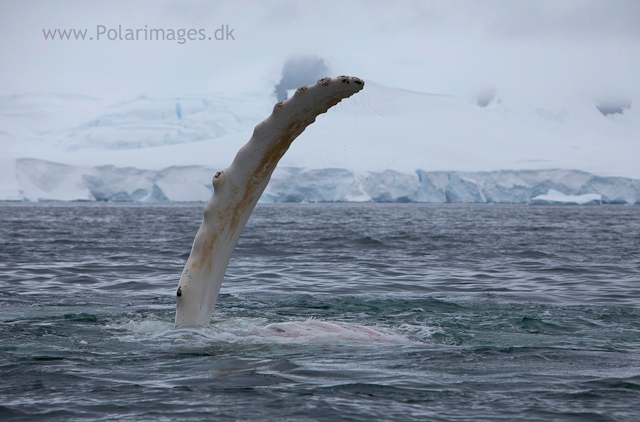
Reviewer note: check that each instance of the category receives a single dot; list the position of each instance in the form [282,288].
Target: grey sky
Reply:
[528,51]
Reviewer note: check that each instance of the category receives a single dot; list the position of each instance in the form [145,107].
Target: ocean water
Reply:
[484,313]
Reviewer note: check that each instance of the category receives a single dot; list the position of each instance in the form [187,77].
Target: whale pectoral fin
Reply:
[238,188]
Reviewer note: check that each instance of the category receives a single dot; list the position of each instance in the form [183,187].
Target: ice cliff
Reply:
[45,180]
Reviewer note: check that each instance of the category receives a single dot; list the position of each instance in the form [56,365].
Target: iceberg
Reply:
[556,197]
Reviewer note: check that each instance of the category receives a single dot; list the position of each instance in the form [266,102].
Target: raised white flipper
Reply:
[238,188]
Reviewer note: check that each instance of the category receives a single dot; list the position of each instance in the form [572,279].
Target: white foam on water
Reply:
[421,332]
[260,331]
[313,330]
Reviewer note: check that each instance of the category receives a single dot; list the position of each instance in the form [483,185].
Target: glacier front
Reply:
[155,149]
[39,180]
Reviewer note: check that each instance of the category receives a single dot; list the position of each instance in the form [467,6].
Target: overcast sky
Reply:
[528,51]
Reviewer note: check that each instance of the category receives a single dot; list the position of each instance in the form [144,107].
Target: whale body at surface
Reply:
[237,189]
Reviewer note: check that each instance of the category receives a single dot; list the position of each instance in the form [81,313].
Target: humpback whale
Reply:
[238,188]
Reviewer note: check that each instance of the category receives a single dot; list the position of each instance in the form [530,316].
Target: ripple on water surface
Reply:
[328,312]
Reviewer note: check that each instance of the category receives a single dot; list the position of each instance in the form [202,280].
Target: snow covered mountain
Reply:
[67,147]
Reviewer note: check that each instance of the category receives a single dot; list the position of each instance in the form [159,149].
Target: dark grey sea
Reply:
[490,313]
